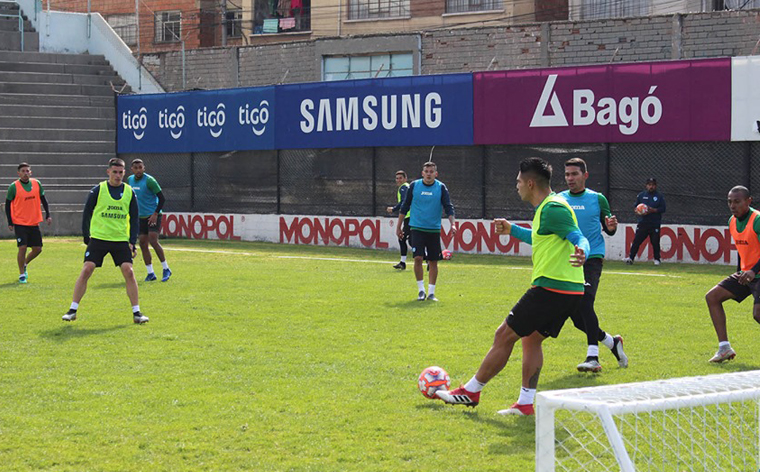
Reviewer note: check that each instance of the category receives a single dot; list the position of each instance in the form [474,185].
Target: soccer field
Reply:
[273,357]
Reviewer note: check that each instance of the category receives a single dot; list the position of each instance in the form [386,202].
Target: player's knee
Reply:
[504,335]
[712,298]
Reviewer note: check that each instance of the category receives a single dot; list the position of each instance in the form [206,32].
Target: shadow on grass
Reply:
[108,285]
[732,366]
[575,380]
[9,285]
[68,332]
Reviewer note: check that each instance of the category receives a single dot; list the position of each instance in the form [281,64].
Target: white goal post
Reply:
[707,424]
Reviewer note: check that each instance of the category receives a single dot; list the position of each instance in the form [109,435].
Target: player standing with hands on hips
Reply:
[109,226]
[150,200]
[426,198]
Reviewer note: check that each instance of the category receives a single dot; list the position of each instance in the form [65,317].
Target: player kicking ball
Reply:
[559,252]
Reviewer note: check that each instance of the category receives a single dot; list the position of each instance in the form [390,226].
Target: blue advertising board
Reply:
[218,120]
[402,111]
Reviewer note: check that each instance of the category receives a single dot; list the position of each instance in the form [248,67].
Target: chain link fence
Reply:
[694,177]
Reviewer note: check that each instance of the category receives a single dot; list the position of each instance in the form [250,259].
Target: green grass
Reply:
[255,361]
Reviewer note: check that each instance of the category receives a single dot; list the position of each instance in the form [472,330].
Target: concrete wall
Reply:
[714,34]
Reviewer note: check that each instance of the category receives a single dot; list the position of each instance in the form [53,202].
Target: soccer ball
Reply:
[433,379]
[446,254]
[641,209]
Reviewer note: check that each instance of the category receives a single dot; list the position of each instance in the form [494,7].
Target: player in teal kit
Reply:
[151,200]
[426,198]
[593,212]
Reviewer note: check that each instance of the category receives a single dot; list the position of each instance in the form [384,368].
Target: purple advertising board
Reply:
[642,102]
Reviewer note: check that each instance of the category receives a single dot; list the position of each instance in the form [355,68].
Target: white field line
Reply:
[340,259]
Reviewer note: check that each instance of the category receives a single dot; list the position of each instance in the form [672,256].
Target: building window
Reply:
[464,6]
[741,4]
[368,9]
[367,67]
[234,23]
[125,26]
[168,26]
[600,9]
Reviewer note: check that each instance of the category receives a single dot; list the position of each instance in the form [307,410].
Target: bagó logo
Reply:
[213,120]
[137,122]
[606,111]
[172,121]
[256,117]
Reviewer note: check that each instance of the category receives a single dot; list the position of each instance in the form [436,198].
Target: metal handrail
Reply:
[20,22]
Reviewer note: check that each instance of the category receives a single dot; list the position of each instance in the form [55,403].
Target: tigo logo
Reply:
[137,122]
[256,117]
[213,120]
[173,121]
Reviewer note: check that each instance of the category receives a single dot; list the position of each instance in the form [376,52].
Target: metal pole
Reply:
[224,23]
[374,181]
[137,24]
[89,19]
[184,77]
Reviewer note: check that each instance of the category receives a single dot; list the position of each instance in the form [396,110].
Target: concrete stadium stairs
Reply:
[57,112]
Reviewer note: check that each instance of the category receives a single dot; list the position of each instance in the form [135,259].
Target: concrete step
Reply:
[31,134]
[60,146]
[56,159]
[17,56]
[56,89]
[11,24]
[53,68]
[48,78]
[52,175]
[44,122]
[56,100]
[108,113]
[11,41]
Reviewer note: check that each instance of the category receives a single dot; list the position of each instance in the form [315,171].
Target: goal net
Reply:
[707,424]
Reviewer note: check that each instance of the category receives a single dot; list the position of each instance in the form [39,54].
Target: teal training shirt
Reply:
[146,189]
[590,208]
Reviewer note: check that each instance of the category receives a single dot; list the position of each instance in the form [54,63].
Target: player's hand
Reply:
[134,250]
[152,219]
[389,210]
[746,277]
[502,226]
[49,221]
[578,258]
[454,228]
[400,231]
[87,240]
[611,222]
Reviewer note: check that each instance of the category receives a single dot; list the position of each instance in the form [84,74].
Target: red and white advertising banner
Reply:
[745,98]
[679,243]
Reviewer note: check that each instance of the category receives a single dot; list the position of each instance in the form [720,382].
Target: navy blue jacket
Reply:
[654,200]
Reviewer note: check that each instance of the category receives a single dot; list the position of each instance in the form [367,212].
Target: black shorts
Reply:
[543,311]
[145,228]
[740,292]
[426,245]
[97,250]
[29,236]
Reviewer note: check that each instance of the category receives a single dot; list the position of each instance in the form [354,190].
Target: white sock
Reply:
[608,341]
[150,268]
[473,385]
[526,396]
[420,285]
[135,308]
[724,345]
[165,265]
[593,351]
[403,259]
[74,306]
[431,289]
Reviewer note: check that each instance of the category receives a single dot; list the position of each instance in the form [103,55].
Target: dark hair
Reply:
[429,164]
[578,162]
[136,161]
[537,168]
[652,180]
[740,189]
[22,165]
[401,172]
[115,162]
